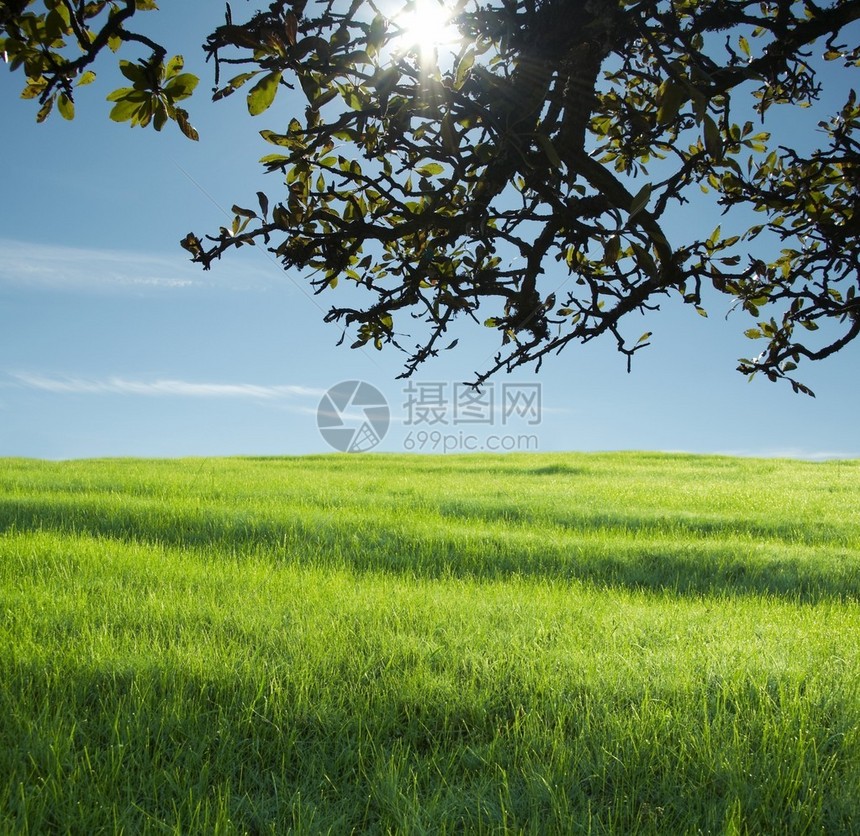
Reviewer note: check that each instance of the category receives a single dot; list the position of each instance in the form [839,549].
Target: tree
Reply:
[549,139]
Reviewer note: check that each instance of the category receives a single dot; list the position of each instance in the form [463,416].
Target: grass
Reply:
[616,643]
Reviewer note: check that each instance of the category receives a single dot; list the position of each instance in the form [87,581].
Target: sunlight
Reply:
[425,25]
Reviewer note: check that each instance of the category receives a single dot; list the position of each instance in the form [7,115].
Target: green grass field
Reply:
[613,643]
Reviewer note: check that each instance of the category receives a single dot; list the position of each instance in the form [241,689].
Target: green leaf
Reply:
[352,99]
[124,110]
[713,139]
[449,134]
[274,158]
[174,66]
[87,78]
[66,107]
[134,73]
[44,110]
[33,89]
[612,250]
[191,243]
[233,85]
[430,169]
[262,94]
[182,86]
[463,68]
[549,150]
[640,201]
[122,93]
[715,237]
[159,117]
[644,337]
[753,333]
[644,260]
[671,96]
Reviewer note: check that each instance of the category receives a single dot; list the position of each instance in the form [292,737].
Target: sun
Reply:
[424,26]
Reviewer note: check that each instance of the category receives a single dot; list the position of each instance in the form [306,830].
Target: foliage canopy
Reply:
[525,173]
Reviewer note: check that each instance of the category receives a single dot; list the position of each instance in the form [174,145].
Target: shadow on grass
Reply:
[785,531]
[704,566]
[156,749]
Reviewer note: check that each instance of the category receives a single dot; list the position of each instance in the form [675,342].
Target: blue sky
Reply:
[112,343]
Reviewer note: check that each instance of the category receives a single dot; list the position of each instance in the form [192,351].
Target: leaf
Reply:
[262,94]
[282,140]
[753,333]
[32,90]
[612,250]
[87,78]
[264,203]
[121,93]
[466,63]
[44,110]
[644,260]
[713,139]
[159,116]
[233,85]
[715,237]
[430,169]
[644,337]
[745,46]
[124,110]
[671,96]
[291,25]
[66,107]
[640,201]
[191,243]
[134,73]
[449,134]
[274,159]
[182,86]
[174,66]
[549,150]
[185,126]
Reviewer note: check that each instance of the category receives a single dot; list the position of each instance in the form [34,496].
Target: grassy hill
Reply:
[625,643]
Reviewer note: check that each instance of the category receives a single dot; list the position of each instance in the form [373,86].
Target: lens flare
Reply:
[425,25]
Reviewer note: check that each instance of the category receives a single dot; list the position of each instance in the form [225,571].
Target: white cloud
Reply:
[162,388]
[52,266]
